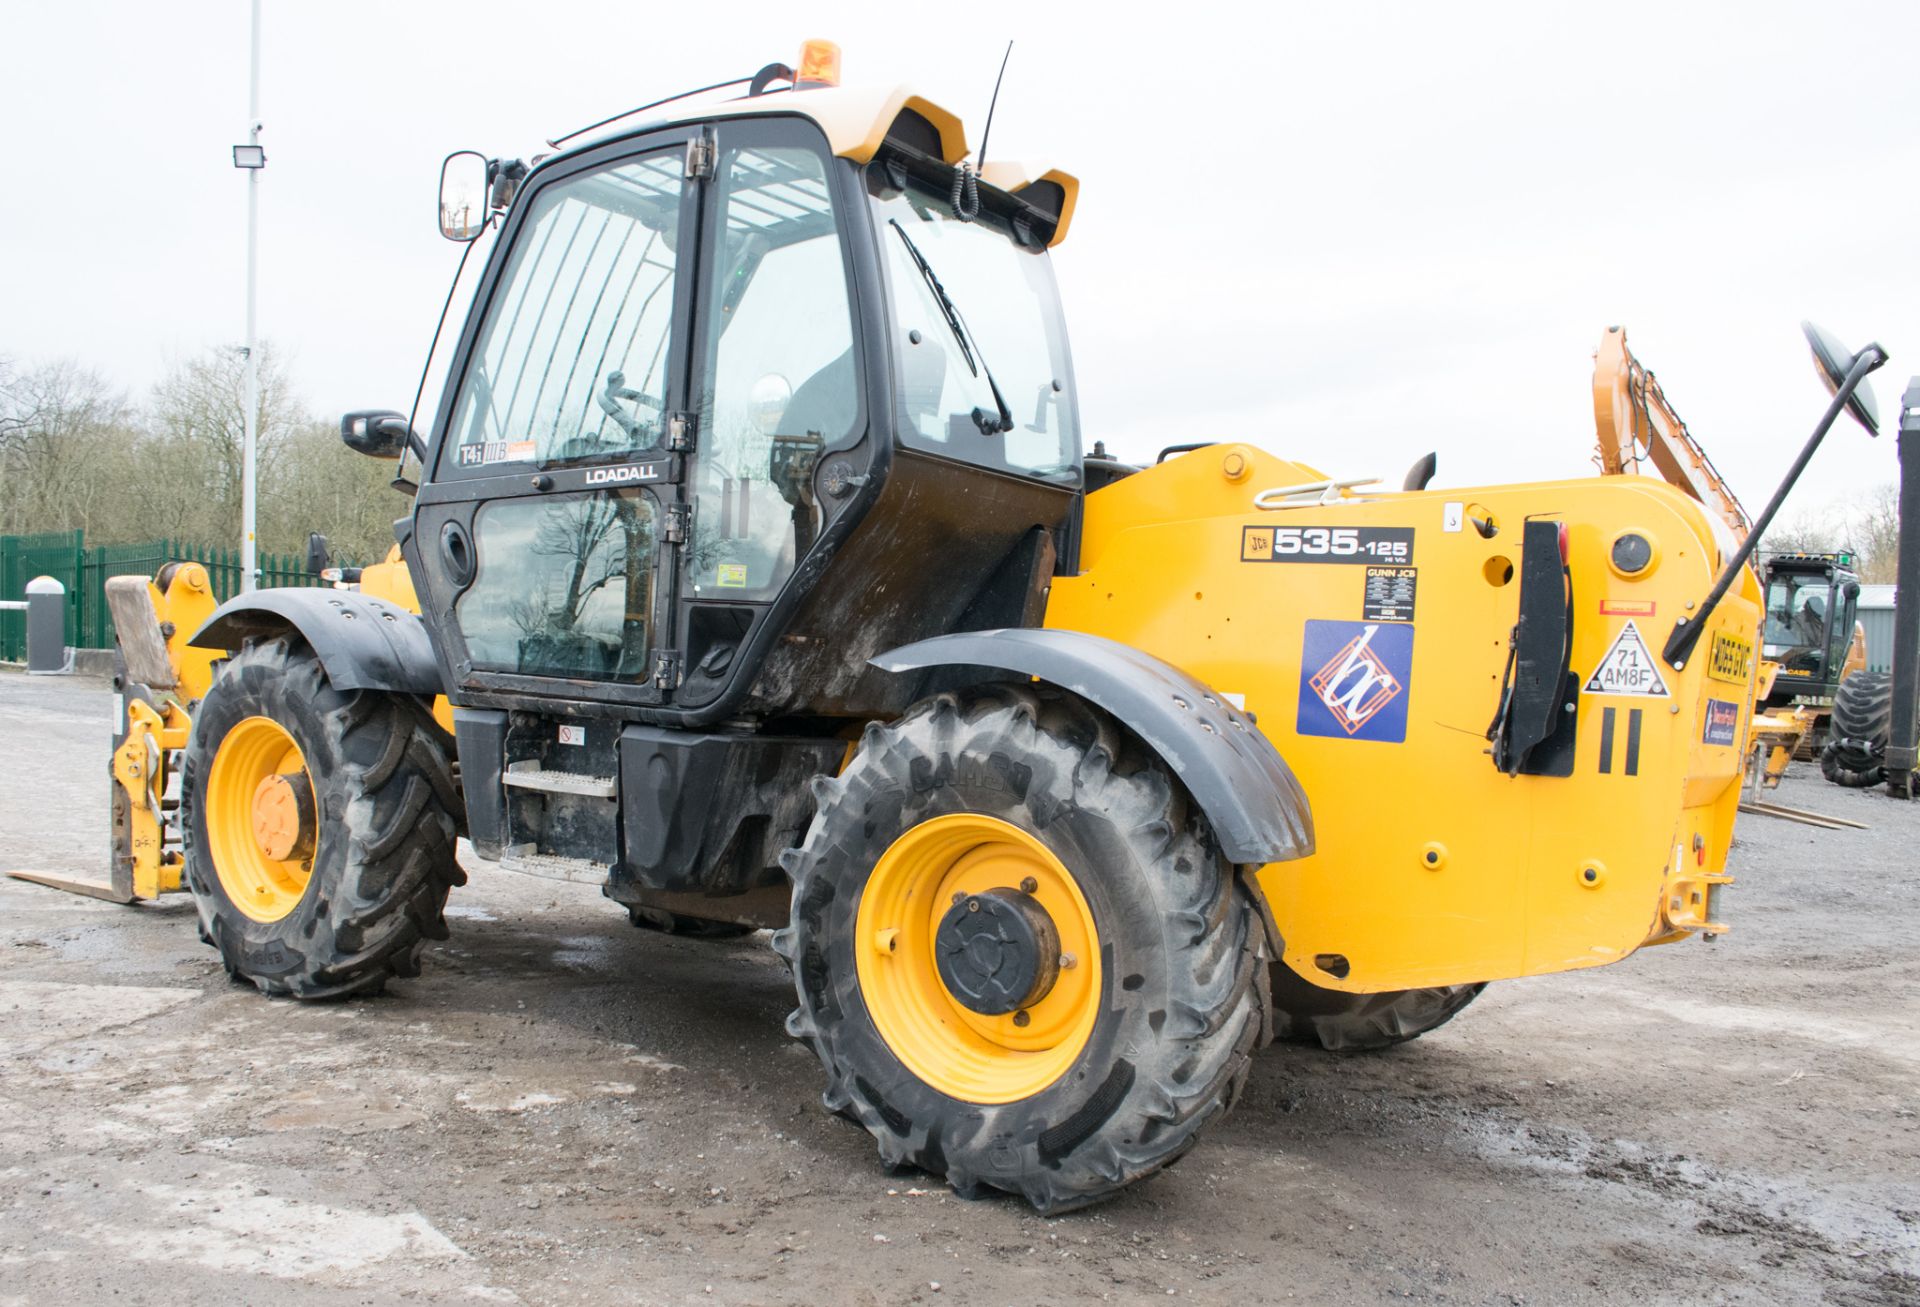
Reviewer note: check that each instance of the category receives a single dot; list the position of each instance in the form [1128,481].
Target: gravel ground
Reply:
[564,1109]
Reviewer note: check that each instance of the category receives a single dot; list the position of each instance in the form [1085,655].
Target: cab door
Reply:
[545,538]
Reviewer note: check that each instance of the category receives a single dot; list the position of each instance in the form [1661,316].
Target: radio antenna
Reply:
[987,131]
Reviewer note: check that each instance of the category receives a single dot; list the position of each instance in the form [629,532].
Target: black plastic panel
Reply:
[481,736]
[710,814]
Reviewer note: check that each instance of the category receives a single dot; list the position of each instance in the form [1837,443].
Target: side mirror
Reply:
[379,432]
[1835,361]
[319,559]
[1851,590]
[464,203]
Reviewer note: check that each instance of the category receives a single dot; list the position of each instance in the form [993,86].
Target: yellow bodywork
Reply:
[1431,866]
[182,608]
[143,866]
[155,733]
[165,677]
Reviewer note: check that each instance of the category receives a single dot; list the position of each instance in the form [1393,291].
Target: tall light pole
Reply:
[252,158]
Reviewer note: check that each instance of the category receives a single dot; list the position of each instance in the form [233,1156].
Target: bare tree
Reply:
[198,418]
[65,433]
[1876,535]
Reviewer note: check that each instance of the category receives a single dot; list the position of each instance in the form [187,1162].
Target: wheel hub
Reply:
[951,1014]
[998,951]
[260,821]
[283,816]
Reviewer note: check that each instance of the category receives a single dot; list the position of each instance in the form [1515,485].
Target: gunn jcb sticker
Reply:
[1389,594]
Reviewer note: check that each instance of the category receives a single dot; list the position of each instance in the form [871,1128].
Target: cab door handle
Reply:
[456,551]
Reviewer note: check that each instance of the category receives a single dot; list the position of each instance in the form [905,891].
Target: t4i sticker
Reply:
[1354,681]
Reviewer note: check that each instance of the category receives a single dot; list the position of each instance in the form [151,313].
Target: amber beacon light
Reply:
[819,64]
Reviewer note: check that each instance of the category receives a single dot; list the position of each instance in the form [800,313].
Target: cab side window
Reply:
[782,385]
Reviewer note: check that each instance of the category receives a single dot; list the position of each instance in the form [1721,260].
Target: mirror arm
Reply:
[1686,632]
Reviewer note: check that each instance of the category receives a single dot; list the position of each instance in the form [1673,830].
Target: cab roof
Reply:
[857,121]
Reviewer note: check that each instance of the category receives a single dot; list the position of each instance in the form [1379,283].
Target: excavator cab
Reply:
[1812,603]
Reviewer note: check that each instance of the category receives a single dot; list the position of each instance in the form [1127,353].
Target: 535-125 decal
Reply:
[1326,544]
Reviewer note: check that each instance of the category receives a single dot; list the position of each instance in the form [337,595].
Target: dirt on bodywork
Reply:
[565,1109]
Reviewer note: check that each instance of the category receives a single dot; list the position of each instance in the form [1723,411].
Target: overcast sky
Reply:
[1349,233]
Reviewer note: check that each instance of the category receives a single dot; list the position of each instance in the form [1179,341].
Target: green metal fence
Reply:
[83,570]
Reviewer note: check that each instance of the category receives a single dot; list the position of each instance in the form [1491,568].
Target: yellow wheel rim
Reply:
[259,819]
[960,1052]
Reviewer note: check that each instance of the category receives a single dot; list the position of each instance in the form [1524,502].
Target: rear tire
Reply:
[1169,994]
[1304,1013]
[1862,713]
[381,854]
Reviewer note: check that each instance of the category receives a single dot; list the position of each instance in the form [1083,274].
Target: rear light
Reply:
[1564,552]
[819,65]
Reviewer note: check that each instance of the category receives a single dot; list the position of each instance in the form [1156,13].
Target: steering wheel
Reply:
[609,400]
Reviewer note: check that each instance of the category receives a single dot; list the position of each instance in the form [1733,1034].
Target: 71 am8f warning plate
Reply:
[1629,668]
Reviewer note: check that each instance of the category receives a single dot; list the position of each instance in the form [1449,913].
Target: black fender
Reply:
[1257,809]
[363,643]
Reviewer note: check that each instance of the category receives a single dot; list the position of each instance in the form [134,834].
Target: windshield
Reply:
[998,327]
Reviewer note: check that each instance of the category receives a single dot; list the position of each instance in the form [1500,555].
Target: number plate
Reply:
[1732,659]
[1327,544]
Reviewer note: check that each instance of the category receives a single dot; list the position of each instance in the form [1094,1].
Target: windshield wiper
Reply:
[969,347]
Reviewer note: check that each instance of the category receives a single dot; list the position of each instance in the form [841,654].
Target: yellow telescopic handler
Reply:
[756,572]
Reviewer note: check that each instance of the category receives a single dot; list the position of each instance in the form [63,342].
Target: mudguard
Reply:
[1257,809]
[363,643]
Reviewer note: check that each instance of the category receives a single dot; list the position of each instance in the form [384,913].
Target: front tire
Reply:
[318,825]
[1037,808]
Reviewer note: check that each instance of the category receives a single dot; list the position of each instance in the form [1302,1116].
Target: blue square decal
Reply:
[1355,680]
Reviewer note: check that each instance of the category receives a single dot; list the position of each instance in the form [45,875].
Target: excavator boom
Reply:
[1636,425]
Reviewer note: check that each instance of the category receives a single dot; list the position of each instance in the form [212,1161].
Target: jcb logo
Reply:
[603,476]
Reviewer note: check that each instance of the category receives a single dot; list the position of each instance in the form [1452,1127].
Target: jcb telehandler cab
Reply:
[756,552]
